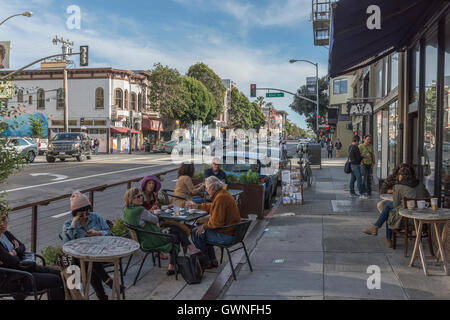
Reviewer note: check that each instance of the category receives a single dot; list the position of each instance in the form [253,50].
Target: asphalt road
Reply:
[41,180]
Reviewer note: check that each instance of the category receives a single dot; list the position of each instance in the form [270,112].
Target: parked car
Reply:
[69,145]
[279,160]
[168,146]
[42,145]
[25,147]
[242,164]
[181,147]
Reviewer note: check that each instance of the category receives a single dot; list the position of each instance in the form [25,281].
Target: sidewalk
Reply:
[317,251]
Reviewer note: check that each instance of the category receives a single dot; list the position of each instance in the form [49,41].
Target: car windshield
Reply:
[66,136]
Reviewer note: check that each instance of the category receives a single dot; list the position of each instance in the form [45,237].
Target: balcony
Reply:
[321,17]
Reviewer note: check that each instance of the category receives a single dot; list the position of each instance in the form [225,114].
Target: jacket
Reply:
[223,212]
[10,261]
[185,189]
[388,184]
[355,155]
[221,175]
[94,221]
[131,216]
[410,189]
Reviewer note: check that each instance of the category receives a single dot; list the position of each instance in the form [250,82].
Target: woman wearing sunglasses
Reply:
[88,224]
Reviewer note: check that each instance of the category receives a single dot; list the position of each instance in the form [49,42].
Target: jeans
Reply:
[330,154]
[383,218]
[198,200]
[356,176]
[96,150]
[367,172]
[49,278]
[210,236]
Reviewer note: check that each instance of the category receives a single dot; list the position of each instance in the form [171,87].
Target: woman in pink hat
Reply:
[88,224]
[150,186]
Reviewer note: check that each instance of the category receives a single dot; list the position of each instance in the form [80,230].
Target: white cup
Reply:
[422,204]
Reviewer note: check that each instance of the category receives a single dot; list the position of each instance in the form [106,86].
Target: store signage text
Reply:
[360,109]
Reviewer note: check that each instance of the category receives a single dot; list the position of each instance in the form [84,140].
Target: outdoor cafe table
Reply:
[434,218]
[387,197]
[184,216]
[100,249]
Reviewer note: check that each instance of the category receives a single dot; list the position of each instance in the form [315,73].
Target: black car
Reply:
[69,145]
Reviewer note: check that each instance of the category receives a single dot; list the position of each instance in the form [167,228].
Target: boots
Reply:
[389,243]
[373,230]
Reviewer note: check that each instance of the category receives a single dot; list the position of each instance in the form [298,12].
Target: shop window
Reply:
[119,98]
[394,71]
[99,98]
[446,128]
[30,99]
[430,110]
[60,98]
[99,122]
[379,141]
[126,100]
[340,86]
[393,135]
[73,122]
[415,73]
[88,122]
[57,122]
[20,96]
[140,102]
[133,101]
[379,80]
[41,99]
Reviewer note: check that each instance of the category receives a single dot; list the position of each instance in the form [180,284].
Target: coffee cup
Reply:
[434,203]
[164,207]
[410,205]
[157,211]
[422,205]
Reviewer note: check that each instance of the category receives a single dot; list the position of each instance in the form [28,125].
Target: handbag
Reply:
[348,167]
[191,268]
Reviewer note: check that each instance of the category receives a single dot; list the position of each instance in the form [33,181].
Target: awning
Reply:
[353,45]
[123,130]
[153,125]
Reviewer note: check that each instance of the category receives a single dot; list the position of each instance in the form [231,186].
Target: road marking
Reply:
[58,176]
[82,178]
[61,215]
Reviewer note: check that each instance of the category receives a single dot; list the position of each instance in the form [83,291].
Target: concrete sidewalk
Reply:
[317,251]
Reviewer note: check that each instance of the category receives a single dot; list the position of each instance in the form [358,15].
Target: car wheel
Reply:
[62,159]
[30,157]
[50,159]
[80,158]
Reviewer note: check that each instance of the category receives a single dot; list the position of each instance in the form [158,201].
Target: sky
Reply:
[247,41]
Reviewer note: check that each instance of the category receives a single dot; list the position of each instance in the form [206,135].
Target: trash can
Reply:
[314,152]
[147,147]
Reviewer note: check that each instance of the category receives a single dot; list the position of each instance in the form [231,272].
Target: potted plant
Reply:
[50,254]
[119,228]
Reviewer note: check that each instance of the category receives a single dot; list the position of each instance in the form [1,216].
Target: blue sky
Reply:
[246,41]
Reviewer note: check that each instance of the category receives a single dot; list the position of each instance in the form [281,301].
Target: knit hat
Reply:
[78,201]
[151,178]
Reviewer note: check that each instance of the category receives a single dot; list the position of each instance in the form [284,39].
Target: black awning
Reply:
[353,45]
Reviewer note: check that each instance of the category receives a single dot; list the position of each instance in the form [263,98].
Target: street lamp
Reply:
[25,14]
[317,87]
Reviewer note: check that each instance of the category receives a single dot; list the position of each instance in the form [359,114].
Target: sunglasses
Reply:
[139,196]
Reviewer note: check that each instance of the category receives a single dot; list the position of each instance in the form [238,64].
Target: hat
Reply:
[151,178]
[78,201]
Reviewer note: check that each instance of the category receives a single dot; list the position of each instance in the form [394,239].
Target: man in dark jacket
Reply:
[216,171]
[355,161]
[12,253]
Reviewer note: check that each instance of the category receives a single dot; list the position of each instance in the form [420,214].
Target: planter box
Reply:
[251,201]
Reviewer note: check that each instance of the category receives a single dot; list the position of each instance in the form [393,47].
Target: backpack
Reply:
[192,267]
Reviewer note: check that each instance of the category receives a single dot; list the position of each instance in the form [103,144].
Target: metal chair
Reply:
[240,230]
[34,292]
[135,231]
[408,231]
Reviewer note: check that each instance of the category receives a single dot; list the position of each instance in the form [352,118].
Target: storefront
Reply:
[120,140]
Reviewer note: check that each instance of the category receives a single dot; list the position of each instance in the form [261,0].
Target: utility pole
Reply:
[66,49]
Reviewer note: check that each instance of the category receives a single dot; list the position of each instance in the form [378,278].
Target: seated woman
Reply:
[11,254]
[184,187]
[408,186]
[88,224]
[136,215]
[150,187]
[223,212]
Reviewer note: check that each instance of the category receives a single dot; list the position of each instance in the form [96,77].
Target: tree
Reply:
[308,109]
[199,102]
[260,101]
[243,113]
[213,83]
[37,127]
[257,117]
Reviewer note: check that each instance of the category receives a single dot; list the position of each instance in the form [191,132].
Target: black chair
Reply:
[135,231]
[34,292]
[169,194]
[240,230]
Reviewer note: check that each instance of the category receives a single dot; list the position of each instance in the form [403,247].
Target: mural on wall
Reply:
[20,126]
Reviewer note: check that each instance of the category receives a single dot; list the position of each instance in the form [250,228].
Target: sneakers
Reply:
[353,195]
[363,196]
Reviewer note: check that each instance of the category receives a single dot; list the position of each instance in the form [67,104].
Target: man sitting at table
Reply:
[216,171]
[223,212]
[408,186]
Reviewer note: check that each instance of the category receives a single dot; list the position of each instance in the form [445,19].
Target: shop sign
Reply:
[360,109]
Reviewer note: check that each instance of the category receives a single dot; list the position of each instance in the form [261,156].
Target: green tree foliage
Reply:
[212,82]
[37,127]
[308,109]
[243,113]
[199,102]
[291,129]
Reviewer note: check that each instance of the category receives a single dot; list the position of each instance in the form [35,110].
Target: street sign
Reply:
[53,65]
[6,90]
[275,95]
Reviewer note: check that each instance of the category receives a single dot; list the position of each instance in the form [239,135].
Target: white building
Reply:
[99,99]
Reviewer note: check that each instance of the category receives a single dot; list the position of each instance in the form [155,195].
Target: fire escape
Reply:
[321,17]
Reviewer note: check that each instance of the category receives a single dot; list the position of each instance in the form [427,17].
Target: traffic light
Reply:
[253,90]
[84,56]
[81,122]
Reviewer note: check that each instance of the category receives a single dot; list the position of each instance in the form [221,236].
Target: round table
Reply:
[434,218]
[387,197]
[100,249]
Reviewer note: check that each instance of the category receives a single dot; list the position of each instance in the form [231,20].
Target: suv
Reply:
[69,145]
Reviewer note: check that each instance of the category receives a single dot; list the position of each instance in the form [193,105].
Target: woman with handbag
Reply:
[12,253]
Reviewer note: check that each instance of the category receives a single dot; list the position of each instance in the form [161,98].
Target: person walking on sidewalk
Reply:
[330,149]
[338,147]
[368,163]
[356,161]
[96,145]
